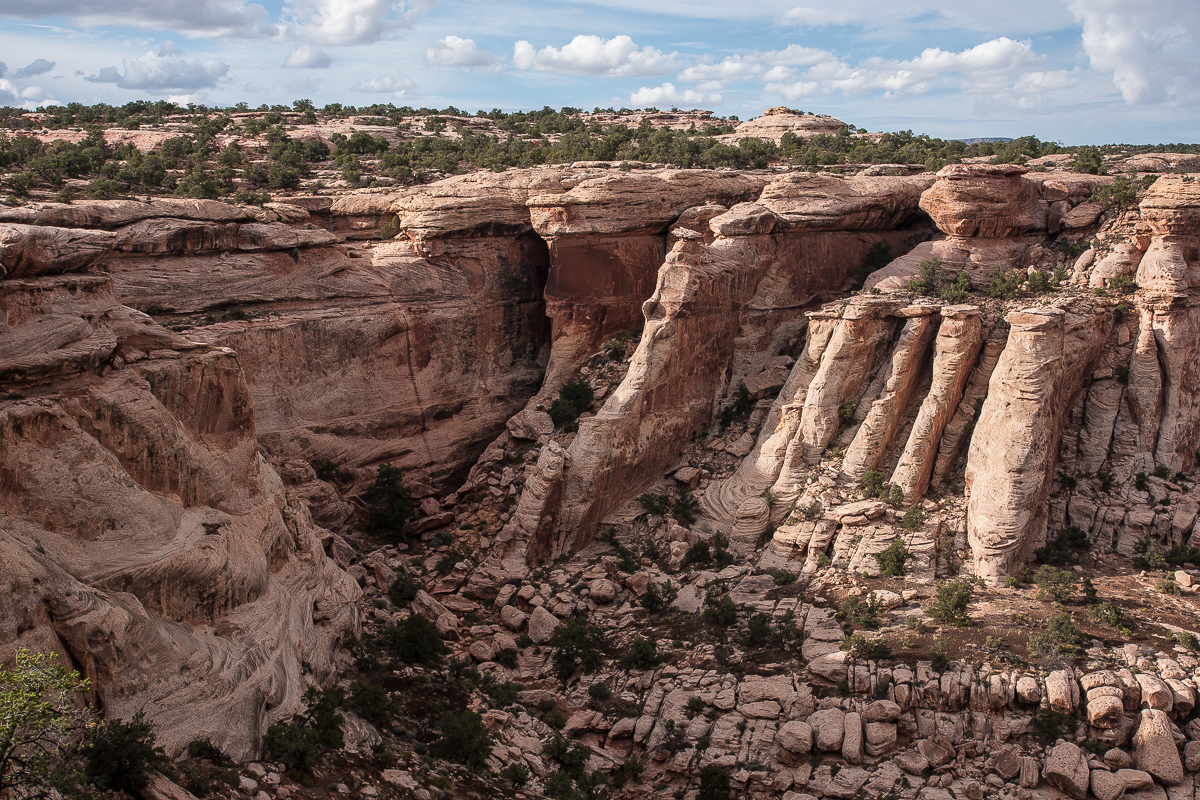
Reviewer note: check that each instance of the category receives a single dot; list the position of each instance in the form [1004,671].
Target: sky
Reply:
[1074,71]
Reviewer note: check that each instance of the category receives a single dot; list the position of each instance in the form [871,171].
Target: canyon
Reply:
[196,396]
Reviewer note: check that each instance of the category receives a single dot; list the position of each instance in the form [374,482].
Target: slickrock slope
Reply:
[143,536]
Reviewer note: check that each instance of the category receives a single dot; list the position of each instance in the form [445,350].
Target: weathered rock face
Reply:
[144,537]
[988,201]
[1012,454]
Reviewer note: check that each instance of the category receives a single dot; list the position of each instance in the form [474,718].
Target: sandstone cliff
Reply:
[144,536]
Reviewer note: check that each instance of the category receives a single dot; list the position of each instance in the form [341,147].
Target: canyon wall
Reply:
[144,537]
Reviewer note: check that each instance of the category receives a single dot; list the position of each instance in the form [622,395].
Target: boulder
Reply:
[1106,786]
[602,591]
[1156,694]
[852,741]
[542,625]
[1106,711]
[1066,768]
[829,729]
[793,739]
[1154,747]
[513,618]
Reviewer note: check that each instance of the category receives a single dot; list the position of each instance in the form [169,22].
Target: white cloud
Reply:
[1051,81]
[769,65]
[307,56]
[166,69]
[988,67]
[192,18]
[1149,47]
[38,67]
[455,51]
[809,17]
[8,92]
[397,87]
[592,55]
[668,95]
[347,22]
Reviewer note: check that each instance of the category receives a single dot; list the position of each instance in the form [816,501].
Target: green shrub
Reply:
[1088,160]
[42,716]
[1124,284]
[694,706]
[403,589]
[950,603]
[642,654]
[1060,637]
[515,773]
[598,691]
[846,412]
[555,718]
[893,558]
[939,653]
[1120,194]
[714,783]
[415,640]
[958,290]
[872,484]
[859,648]
[1147,555]
[1006,283]
[864,613]
[1064,548]
[655,503]
[657,598]
[930,280]
[389,502]
[1055,584]
[120,756]
[574,398]
[205,749]
[758,630]
[373,703]
[464,740]
[1052,724]
[719,609]
[686,507]
[739,409]
[783,577]
[298,743]
[813,511]
[913,519]
[577,644]
[1167,586]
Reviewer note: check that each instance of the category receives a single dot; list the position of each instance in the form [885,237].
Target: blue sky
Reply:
[1078,71]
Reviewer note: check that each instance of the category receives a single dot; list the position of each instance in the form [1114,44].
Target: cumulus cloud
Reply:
[165,70]
[348,22]
[38,67]
[987,67]
[768,65]
[455,51]
[3,69]
[668,95]
[1149,48]
[592,55]
[192,18]
[307,56]
[397,87]
[8,92]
